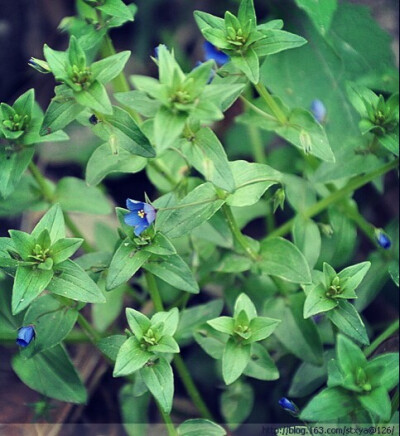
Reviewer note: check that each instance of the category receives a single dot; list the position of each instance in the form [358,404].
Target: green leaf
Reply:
[352,276]
[330,404]
[24,103]
[206,154]
[251,180]
[206,21]
[243,303]
[176,272]
[317,301]
[128,134]
[166,344]
[224,324]
[104,162]
[131,357]
[193,317]
[74,195]
[383,370]
[281,258]
[247,13]
[211,341]
[51,373]
[194,427]
[261,366]
[108,68]
[308,378]
[159,379]
[275,41]
[350,356]
[138,323]
[304,132]
[168,126]
[95,97]
[234,360]
[116,8]
[249,64]
[53,222]
[161,246]
[111,345]
[13,166]
[57,61]
[298,335]
[169,321]
[76,55]
[104,314]
[23,243]
[321,12]
[124,264]
[139,101]
[261,328]
[377,402]
[347,320]
[63,249]
[237,403]
[307,238]
[52,321]
[61,112]
[71,281]
[203,202]
[28,284]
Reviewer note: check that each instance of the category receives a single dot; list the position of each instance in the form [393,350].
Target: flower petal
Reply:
[134,205]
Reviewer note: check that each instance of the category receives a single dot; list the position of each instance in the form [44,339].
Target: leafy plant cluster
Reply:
[294,294]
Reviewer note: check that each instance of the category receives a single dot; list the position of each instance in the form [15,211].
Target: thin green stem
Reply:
[257,144]
[153,291]
[276,110]
[161,168]
[191,388]
[238,235]
[41,181]
[77,233]
[49,196]
[168,422]
[321,205]
[92,334]
[256,109]
[179,364]
[382,337]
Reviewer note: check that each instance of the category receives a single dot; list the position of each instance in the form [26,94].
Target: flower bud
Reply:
[383,239]
[39,65]
[289,406]
[25,335]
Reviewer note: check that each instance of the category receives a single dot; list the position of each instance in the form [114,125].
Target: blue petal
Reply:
[150,212]
[133,219]
[212,52]
[134,205]
[25,336]
[140,228]
[319,110]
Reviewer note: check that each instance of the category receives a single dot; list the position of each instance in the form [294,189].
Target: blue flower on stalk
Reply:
[318,109]
[25,335]
[141,215]
[212,52]
[288,406]
[383,239]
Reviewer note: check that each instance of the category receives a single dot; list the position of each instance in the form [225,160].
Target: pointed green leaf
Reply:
[53,222]
[234,360]
[131,357]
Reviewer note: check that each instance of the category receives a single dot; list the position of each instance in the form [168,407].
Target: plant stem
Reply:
[153,291]
[276,110]
[49,196]
[320,206]
[168,422]
[382,337]
[41,181]
[179,364]
[191,388]
[240,238]
[88,329]
[257,144]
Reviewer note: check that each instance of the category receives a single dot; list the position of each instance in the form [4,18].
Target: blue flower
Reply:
[212,52]
[383,239]
[141,216]
[25,335]
[288,406]
[319,110]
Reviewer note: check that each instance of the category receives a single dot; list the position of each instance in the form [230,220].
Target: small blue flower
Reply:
[25,335]
[212,52]
[319,110]
[141,216]
[288,406]
[383,239]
